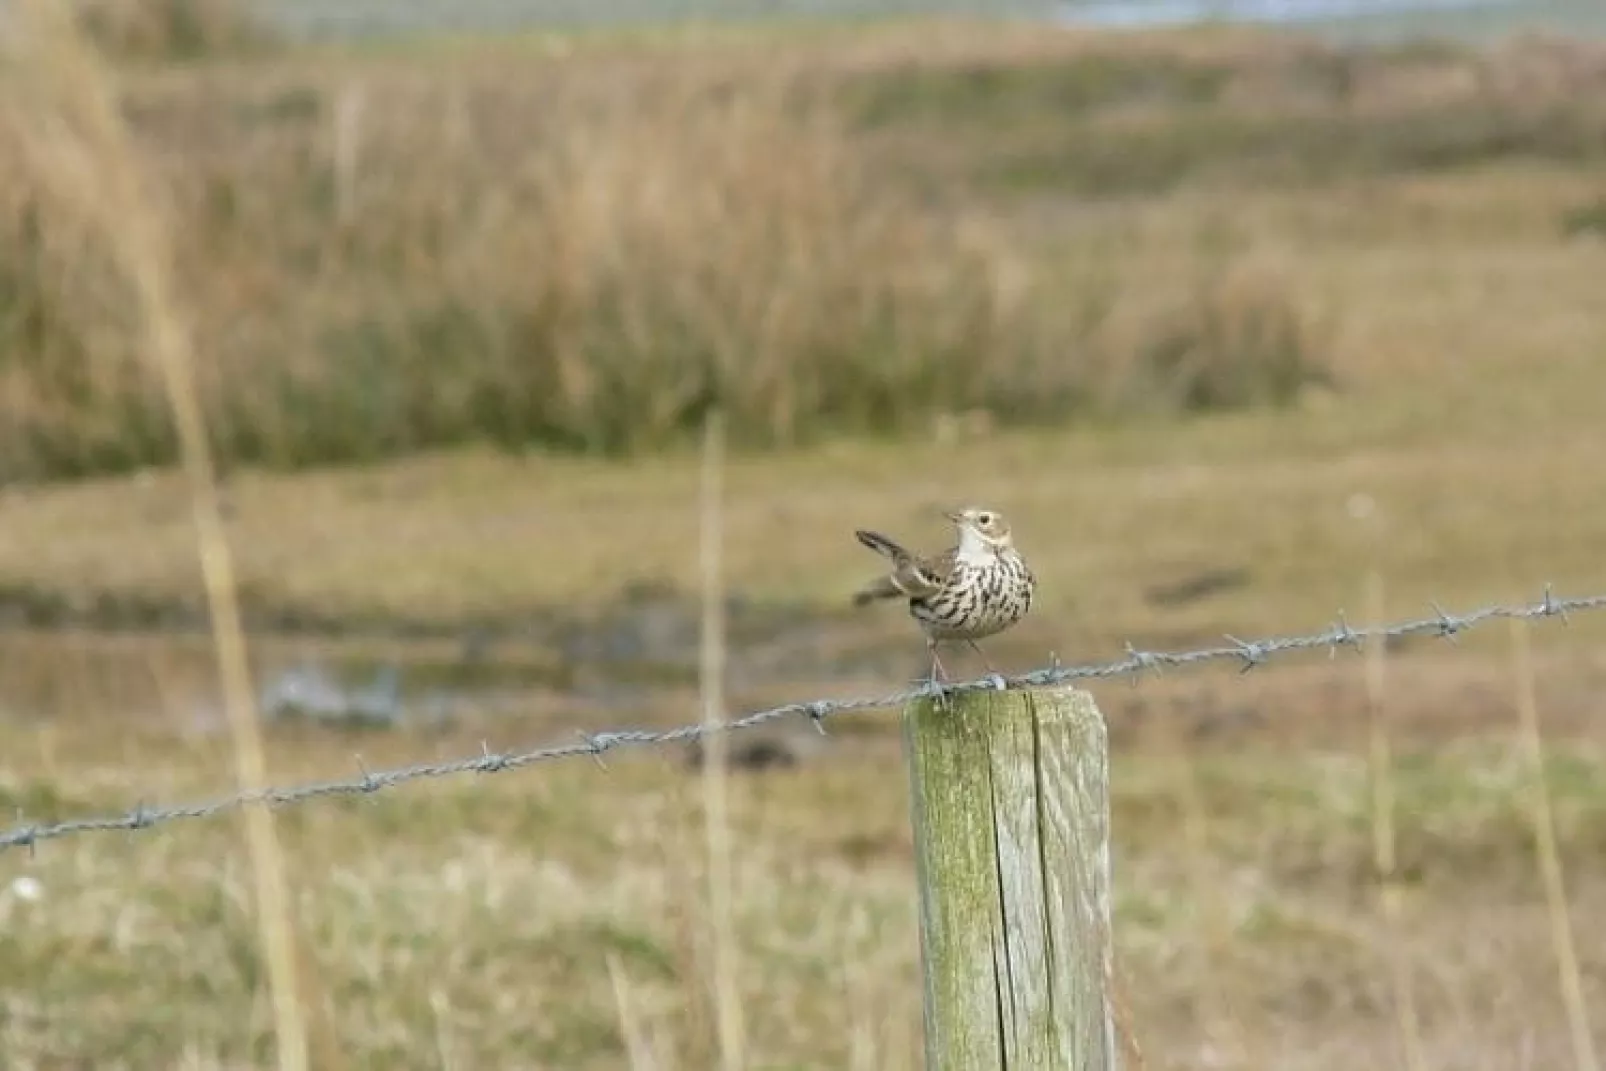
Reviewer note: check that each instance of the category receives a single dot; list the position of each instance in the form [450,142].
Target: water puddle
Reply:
[1143,13]
[154,665]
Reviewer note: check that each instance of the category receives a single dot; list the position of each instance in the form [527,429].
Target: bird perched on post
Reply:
[975,589]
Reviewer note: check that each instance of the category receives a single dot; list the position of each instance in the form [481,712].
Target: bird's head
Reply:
[981,529]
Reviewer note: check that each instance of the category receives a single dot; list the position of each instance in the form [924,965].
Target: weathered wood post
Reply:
[1011,827]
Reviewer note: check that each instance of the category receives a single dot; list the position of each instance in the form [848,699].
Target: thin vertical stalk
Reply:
[1561,930]
[85,137]
[727,999]
[1384,855]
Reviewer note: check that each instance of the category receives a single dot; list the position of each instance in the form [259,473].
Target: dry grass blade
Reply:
[1383,847]
[440,1007]
[727,998]
[1212,917]
[346,151]
[82,139]
[1125,1023]
[636,1046]
[1561,931]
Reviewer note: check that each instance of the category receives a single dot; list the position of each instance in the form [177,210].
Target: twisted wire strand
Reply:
[1249,654]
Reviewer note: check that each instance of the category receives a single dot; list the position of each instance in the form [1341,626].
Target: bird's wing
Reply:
[913,576]
[922,576]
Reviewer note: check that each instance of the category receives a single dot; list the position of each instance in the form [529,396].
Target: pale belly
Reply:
[973,611]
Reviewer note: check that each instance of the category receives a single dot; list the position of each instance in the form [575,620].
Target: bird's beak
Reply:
[957,518]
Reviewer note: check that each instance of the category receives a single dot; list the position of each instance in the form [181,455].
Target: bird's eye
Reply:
[985,519]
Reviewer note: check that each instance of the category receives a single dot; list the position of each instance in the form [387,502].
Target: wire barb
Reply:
[1135,663]
[1448,626]
[27,836]
[1344,636]
[489,762]
[1253,654]
[1549,607]
[595,746]
[369,783]
[817,713]
[1143,661]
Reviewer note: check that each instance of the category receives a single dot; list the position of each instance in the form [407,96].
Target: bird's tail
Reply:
[883,546]
[882,587]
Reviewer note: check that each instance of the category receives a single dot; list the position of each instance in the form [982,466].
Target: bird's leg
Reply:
[938,673]
[983,657]
[997,677]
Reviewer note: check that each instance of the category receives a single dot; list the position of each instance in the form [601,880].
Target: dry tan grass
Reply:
[595,242]
[91,157]
[557,918]
[1548,853]
[173,29]
[480,918]
[1384,851]
[1441,391]
[590,261]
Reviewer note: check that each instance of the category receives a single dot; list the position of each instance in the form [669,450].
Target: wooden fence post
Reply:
[1011,827]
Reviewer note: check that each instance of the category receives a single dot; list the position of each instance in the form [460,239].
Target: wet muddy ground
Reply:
[633,661]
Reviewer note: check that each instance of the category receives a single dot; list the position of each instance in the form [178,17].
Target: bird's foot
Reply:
[935,680]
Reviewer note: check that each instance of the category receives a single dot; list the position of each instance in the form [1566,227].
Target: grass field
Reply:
[1419,227]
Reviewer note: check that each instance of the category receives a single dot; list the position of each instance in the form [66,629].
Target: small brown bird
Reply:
[977,588]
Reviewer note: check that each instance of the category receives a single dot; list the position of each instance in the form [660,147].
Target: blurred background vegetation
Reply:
[593,254]
[1233,320]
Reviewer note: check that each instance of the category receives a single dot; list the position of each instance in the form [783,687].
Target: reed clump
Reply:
[175,29]
[581,256]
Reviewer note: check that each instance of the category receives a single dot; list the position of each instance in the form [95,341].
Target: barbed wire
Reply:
[1249,654]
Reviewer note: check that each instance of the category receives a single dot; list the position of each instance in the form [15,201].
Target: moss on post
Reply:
[1011,821]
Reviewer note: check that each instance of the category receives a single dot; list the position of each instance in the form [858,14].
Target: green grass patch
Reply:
[426,934]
